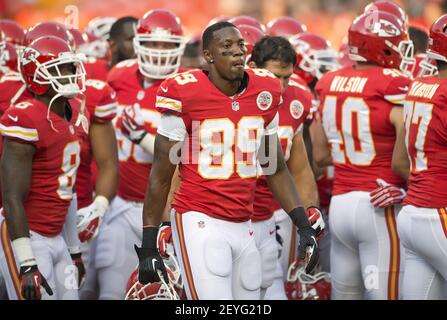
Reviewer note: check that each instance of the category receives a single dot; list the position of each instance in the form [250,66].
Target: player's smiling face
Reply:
[228,52]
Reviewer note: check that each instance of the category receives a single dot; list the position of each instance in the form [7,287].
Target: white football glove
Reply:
[132,123]
[89,218]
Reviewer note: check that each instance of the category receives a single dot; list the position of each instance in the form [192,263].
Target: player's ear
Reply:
[208,56]
[252,65]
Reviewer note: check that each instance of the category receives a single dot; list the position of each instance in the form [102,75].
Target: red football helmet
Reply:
[157,26]
[94,47]
[14,32]
[100,26]
[302,286]
[389,7]
[49,28]
[44,55]
[8,60]
[315,56]
[79,38]
[251,35]
[153,291]
[285,27]
[343,56]
[247,20]
[381,39]
[437,47]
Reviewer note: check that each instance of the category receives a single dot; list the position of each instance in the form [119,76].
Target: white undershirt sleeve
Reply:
[172,127]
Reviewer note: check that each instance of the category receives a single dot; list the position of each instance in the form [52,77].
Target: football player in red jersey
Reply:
[213,236]
[278,56]
[38,169]
[422,222]
[159,45]
[121,37]
[361,114]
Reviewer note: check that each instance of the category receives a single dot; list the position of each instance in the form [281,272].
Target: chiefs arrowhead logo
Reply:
[29,55]
[296,109]
[264,100]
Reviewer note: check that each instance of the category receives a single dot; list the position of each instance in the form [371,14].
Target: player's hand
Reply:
[386,194]
[89,218]
[132,124]
[151,264]
[164,239]
[308,239]
[79,264]
[316,220]
[30,281]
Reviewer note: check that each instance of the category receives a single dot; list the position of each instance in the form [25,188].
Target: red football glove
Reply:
[386,195]
[30,281]
[164,239]
[132,123]
[316,220]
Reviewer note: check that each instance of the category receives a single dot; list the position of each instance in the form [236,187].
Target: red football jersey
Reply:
[135,164]
[425,114]
[97,69]
[101,106]
[55,161]
[9,85]
[293,112]
[355,106]
[219,168]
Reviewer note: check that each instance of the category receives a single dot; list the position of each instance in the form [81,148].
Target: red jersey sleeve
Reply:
[17,124]
[397,87]
[101,101]
[168,97]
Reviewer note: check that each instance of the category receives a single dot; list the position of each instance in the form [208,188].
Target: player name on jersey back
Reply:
[348,84]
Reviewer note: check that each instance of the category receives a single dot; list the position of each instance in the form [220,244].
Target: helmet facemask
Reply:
[408,62]
[316,62]
[158,63]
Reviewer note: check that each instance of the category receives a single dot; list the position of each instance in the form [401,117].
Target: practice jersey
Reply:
[222,137]
[356,106]
[101,105]
[294,110]
[425,114]
[135,163]
[55,161]
[10,84]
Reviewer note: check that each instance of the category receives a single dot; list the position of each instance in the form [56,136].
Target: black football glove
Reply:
[30,281]
[151,263]
[309,251]
[79,264]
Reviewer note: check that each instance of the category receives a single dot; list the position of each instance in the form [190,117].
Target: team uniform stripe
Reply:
[185,259]
[10,260]
[102,111]
[443,216]
[19,132]
[394,267]
[396,99]
[292,245]
[168,103]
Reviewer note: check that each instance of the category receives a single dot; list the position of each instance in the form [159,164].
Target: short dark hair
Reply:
[192,49]
[208,34]
[419,38]
[273,48]
[117,27]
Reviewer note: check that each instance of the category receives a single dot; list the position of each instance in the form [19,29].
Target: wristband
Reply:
[299,217]
[150,235]
[24,252]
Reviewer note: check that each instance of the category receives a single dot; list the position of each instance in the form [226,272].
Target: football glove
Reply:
[89,218]
[316,220]
[151,264]
[386,194]
[164,239]
[30,281]
[79,264]
[132,124]
[308,239]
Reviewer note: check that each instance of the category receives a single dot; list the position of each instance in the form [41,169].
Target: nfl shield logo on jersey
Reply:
[264,100]
[296,109]
[235,106]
